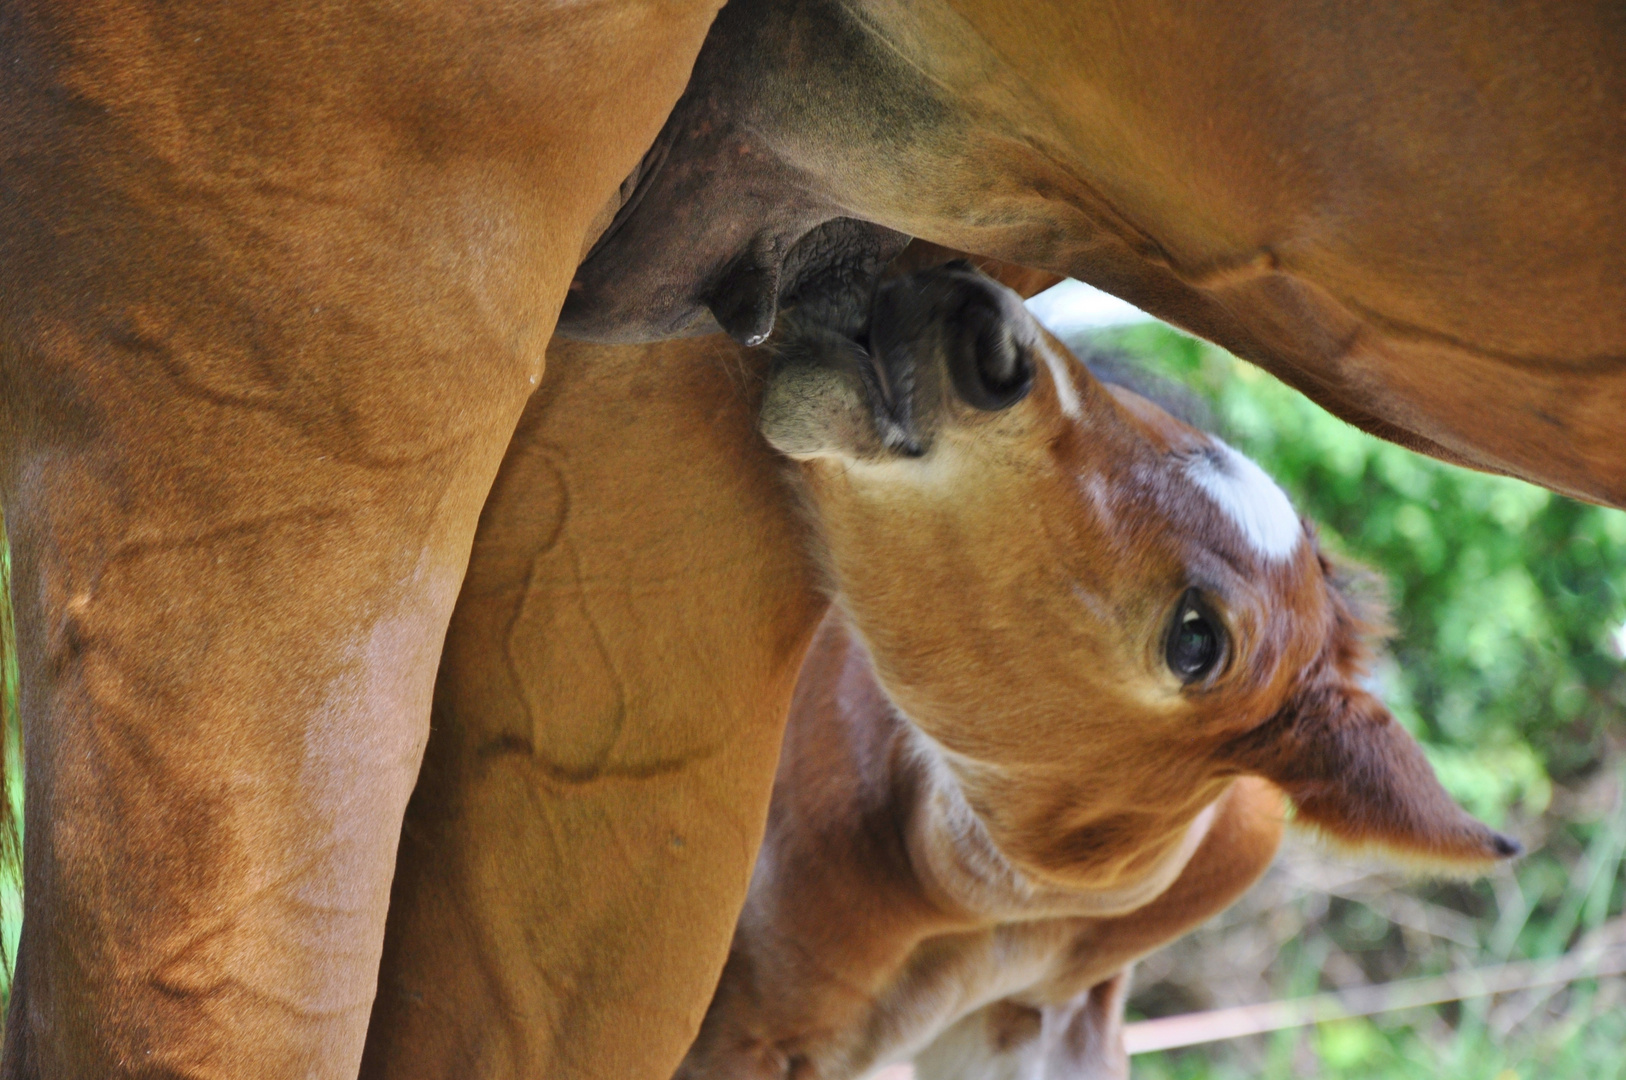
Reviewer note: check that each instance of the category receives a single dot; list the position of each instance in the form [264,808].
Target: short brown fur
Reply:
[994,796]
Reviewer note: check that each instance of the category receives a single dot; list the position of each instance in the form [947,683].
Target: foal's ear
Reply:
[1357,776]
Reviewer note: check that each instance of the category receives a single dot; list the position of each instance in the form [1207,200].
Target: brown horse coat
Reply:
[848,955]
[574,703]
[617,676]
[1045,731]
[598,771]
[1414,213]
[277,282]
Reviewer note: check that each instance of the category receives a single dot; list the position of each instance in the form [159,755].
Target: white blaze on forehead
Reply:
[1250,498]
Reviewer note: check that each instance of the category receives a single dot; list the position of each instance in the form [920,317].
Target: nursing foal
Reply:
[1080,650]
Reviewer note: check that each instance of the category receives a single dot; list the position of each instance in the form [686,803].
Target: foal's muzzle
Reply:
[978,324]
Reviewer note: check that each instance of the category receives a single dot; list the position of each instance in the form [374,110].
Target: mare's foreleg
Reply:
[229,616]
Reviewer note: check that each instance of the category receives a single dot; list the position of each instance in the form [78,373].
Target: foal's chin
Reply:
[826,397]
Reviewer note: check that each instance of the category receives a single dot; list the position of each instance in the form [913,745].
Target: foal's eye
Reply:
[1195,641]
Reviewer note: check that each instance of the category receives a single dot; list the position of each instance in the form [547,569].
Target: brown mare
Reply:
[278,280]
[638,522]
[1079,650]
[1415,213]
[277,284]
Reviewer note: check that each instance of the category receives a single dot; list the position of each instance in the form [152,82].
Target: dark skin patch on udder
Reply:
[719,226]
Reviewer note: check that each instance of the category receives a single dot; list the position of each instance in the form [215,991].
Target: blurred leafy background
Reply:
[11,882]
[1509,603]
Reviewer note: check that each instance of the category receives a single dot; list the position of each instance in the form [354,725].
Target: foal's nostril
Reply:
[990,369]
[998,360]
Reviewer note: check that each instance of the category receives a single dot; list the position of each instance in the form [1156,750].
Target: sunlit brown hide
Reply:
[1413,212]
[1078,647]
[616,676]
[278,281]
[606,723]
[541,919]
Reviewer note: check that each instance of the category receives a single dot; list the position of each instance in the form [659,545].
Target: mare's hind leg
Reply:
[1079,1040]
[609,710]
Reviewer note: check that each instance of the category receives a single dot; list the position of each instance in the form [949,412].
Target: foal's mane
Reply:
[1117,368]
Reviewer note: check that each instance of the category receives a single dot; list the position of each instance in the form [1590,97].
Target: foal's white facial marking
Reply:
[1061,374]
[1250,498]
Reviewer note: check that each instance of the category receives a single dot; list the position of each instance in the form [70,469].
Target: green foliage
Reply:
[11,814]
[1583,1045]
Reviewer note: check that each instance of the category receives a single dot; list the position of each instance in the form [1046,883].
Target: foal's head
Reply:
[1099,614]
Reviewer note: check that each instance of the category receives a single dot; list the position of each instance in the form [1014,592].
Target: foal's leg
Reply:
[610,705]
[1008,1040]
[274,285]
[1082,1039]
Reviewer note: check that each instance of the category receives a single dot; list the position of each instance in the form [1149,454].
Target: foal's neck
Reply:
[961,867]
[868,804]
